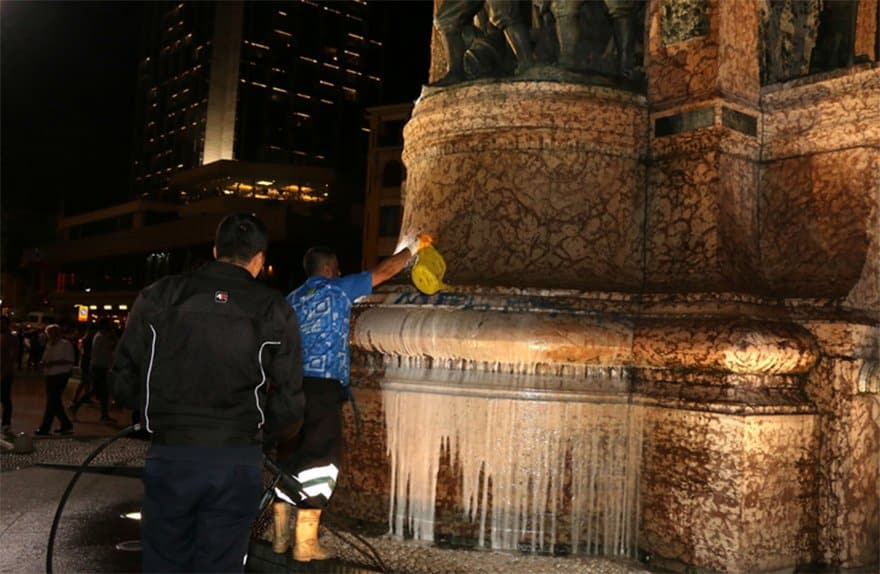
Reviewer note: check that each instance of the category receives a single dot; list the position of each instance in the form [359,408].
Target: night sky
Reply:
[67,80]
[66,96]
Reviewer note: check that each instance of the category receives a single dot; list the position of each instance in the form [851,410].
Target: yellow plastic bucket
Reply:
[428,272]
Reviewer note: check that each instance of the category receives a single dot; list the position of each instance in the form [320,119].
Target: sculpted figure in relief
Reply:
[494,37]
[453,16]
[569,29]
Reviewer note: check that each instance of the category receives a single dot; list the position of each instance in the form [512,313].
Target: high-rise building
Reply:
[240,106]
[265,82]
[386,175]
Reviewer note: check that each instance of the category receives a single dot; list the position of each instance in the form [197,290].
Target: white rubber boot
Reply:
[307,547]
[281,535]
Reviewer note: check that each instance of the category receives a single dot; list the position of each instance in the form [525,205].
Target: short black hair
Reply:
[316,257]
[239,237]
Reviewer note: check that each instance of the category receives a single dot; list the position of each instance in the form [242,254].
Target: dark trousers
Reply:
[85,383]
[198,513]
[54,409]
[6,398]
[98,382]
[319,441]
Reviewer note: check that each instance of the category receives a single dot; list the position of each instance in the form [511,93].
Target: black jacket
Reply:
[211,358]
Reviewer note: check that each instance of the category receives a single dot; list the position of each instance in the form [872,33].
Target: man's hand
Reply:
[424,240]
[391,266]
[421,241]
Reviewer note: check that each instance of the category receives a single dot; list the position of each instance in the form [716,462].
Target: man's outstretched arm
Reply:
[391,266]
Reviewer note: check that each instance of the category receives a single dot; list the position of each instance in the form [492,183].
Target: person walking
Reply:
[8,360]
[83,392]
[323,308]
[57,360]
[100,358]
[35,348]
[212,360]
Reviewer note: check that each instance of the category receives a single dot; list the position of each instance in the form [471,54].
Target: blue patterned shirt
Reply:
[323,308]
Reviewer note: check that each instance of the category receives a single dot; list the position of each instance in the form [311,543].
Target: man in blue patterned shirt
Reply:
[323,309]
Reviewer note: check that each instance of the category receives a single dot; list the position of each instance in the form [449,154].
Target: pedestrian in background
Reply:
[84,389]
[36,341]
[57,361]
[100,359]
[212,360]
[20,335]
[8,359]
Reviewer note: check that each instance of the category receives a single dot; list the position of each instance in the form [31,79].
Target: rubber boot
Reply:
[281,534]
[307,547]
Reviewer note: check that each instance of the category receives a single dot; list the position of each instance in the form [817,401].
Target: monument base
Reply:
[610,436]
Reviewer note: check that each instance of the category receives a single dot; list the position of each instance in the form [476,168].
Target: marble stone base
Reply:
[735,445]
[741,490]
[536,184]
[564,186]
[691,282]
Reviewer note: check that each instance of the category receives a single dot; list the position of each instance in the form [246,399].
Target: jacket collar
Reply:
[223,269]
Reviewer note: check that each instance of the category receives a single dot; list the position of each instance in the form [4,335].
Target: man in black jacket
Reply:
[212,360]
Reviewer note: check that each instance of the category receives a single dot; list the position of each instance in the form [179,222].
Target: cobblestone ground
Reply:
[414,558]
[124,452]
